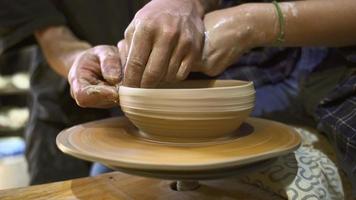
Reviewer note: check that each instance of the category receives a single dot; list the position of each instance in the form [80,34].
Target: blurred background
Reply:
[14,113]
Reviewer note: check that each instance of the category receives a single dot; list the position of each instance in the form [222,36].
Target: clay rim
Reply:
[243,85]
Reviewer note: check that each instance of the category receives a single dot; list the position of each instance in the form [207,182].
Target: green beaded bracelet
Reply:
[281,21]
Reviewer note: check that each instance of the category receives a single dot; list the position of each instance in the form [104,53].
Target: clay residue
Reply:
[290,7]
[223,21]
[93,89]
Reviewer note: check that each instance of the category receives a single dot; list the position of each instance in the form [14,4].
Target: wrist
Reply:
[264,23]
[68,56]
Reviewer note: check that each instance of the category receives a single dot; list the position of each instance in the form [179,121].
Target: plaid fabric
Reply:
[272,65]
[337,118]
[257,66]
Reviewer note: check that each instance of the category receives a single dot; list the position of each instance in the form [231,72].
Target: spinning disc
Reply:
[117,143]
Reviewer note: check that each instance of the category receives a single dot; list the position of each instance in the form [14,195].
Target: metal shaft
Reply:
[187,185]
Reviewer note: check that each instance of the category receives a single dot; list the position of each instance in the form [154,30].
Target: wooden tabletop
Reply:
[122,186]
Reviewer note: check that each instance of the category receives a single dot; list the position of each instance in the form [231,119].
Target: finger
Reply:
[123,52]
[129,33]
[185,67]
[87,62]
[209,62]
[110,64]
[157,64]
[160,57]
[198,50]
[190,60]
[178,54]
[215,64]
[194,56]
[91,95]
[138,55]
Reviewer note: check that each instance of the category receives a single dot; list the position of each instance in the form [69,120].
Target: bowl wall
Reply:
[189,109]
[194,129]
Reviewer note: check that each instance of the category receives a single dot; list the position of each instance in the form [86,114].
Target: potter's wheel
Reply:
[115,142]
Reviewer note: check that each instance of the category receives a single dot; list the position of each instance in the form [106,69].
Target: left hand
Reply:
[95,76]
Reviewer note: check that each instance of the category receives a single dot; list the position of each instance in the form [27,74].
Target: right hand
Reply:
[95,76]
[165,39]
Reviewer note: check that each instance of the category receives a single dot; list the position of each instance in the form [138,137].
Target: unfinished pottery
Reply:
[194,110]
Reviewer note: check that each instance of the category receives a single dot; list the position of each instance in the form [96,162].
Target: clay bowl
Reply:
[190,110]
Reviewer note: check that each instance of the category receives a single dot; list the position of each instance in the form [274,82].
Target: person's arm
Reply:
[60,47]
[93,72]
[234,31]
[308,23]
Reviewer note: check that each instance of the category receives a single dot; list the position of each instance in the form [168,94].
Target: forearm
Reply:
[323,23]
[60,47]
[307,23]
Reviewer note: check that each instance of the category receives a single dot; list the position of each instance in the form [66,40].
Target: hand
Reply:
[164,40]
[229,33]
[95,76]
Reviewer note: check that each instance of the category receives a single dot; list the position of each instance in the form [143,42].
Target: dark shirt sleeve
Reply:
[20,18]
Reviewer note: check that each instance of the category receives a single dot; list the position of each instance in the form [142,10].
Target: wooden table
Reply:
[119,186]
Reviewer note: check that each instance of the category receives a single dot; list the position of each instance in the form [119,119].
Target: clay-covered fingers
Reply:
[181,51]
[94,77]
[99,95]
[186,66]
[185,55]
[140,42]
[157,65]
[193,57]
[110,63]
